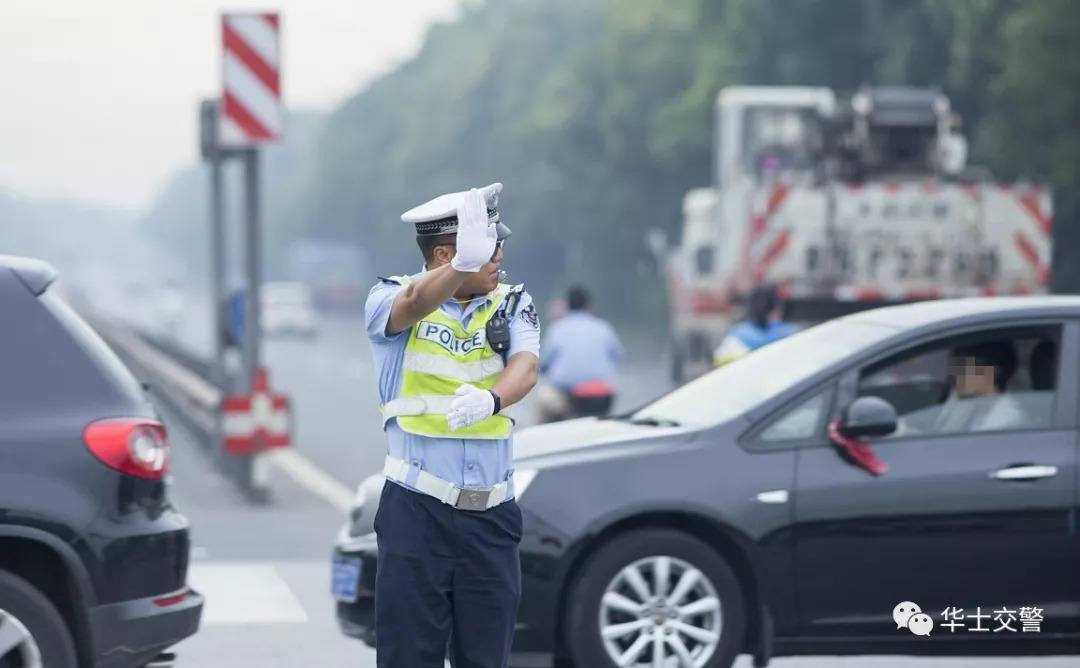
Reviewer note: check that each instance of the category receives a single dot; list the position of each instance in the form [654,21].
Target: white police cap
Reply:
[439,216]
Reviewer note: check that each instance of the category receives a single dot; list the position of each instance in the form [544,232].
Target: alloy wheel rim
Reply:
[17,646]
[660,612]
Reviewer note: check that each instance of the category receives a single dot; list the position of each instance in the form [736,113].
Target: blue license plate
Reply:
[345,579]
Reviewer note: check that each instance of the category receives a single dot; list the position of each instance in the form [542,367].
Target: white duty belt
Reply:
[462,498]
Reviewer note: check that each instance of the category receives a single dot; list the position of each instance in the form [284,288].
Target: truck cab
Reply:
[769,140]
[698,310]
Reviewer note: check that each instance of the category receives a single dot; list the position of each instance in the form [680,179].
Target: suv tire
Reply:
[50,633]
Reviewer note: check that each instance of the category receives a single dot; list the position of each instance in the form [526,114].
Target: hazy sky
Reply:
[99,98]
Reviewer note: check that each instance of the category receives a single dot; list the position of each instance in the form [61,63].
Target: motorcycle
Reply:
[587,399]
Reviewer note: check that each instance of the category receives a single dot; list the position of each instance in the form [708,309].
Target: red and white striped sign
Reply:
[252,112]
[262,416]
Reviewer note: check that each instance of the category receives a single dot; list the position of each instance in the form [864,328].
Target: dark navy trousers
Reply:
[448,582]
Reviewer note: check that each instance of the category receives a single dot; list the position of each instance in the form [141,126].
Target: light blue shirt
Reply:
[580,347]
[463,461]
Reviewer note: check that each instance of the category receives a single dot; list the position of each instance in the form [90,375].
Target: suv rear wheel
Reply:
[32,631]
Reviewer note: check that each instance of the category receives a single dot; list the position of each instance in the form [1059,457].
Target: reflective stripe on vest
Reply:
[440,356]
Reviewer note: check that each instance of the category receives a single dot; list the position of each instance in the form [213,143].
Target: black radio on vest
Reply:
[498,327]
[498,333]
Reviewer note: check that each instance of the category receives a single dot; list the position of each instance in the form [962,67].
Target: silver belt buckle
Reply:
[473,498]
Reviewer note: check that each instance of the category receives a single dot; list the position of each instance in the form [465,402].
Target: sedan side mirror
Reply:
[867,417]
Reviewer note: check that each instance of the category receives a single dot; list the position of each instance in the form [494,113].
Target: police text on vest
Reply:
[444,336]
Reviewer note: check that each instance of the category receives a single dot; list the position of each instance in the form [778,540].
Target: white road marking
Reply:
[312,478]
[238,593]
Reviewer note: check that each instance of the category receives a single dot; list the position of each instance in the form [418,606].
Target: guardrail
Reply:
[191,361]
[180,381]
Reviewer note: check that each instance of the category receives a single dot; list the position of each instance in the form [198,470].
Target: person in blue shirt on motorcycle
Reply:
[578,359]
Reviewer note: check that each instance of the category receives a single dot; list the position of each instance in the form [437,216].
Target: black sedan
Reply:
[899,481]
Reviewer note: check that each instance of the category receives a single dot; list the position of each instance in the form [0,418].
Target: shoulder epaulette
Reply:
[512,299]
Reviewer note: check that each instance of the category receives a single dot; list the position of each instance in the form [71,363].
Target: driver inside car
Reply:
[979,400]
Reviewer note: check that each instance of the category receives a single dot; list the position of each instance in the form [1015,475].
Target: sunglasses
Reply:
[498,246]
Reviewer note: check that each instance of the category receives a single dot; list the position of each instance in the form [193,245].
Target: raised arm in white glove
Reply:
[476,237]
[471,405]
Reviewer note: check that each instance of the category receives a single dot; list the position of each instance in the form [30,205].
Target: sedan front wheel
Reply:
[655,598]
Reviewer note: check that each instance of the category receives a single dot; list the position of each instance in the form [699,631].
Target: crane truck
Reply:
[844,206]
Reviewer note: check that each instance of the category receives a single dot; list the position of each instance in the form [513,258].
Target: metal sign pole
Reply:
[209,118]
[253,260]
[257,475]
[211,110]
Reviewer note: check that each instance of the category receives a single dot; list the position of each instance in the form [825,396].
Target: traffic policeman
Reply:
[455,348]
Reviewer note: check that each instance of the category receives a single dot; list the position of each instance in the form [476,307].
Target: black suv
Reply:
[93,555]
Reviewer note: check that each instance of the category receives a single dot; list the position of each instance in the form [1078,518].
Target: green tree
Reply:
[598,117]
[1034,103]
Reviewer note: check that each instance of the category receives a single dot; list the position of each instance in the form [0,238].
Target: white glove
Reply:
[472,405]
[476,237]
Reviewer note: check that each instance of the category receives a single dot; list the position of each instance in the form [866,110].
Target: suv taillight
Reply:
[135,446]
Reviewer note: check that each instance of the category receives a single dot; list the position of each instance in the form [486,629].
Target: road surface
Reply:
[265,570]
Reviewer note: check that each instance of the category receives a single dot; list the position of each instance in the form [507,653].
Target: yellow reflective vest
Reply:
[440,356]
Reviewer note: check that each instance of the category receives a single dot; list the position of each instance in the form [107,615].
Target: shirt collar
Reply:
[465,307]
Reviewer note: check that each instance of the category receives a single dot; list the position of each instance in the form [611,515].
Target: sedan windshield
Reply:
[741,385]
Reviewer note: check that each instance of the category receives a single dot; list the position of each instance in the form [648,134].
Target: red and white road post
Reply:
[254,424]
[249,114]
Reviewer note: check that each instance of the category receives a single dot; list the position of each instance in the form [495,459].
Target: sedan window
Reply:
[764,374]
[798,423]
[998,380]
